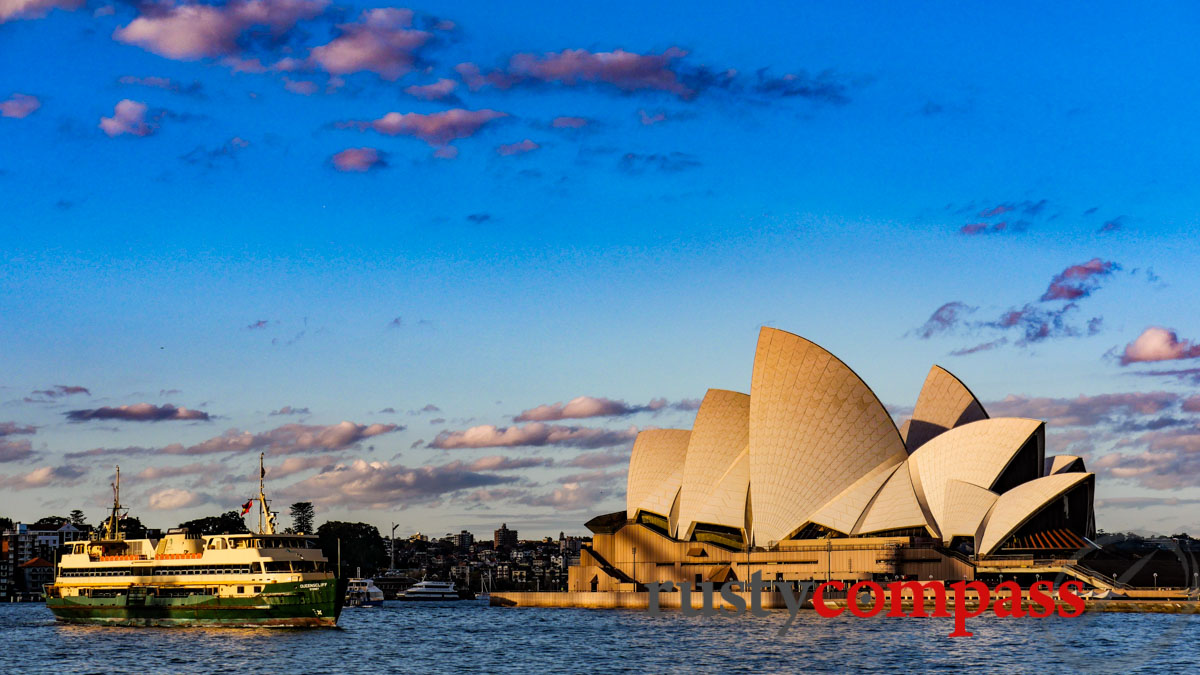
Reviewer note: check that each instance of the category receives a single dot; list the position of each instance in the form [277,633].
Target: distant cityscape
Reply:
[29,551]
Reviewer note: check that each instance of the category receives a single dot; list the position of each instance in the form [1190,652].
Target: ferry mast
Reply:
[266,519]
[112,528]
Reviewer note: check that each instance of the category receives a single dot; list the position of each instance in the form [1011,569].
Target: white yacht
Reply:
[363,593]
[431,590]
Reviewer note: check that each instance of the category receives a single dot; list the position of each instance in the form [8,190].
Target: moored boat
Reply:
[363,593]
[431,590]
[188,579]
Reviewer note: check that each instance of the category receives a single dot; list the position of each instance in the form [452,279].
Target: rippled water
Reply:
[436,638]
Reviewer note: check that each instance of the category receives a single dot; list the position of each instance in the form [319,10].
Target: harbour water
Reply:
[470,636]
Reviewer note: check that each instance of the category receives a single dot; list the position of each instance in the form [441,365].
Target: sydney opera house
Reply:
[808,478]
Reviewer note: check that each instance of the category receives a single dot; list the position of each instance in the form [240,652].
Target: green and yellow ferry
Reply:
[186,579]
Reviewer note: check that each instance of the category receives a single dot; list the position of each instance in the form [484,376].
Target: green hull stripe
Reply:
[312,603]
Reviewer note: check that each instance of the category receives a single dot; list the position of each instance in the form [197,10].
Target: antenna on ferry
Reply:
[266,519]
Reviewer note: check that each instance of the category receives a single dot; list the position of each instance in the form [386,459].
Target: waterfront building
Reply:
[808,477]
[504,537]
[463,540]
[36,573]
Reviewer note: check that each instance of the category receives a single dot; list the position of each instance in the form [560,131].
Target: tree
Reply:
[361,546]
[132,527]
[78,519]
[5,524]
[302,514]
[229,522]
[49,523]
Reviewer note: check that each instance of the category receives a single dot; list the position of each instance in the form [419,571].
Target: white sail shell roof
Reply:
[1064,464]
[894,507]
[943,404]
[843,512]
[1023,502]
[656,471]
[815,429]
[975,453]
[716,471]
[968,505]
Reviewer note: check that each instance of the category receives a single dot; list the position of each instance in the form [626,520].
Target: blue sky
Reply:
[250,230]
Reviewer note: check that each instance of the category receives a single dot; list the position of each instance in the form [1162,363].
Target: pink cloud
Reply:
[358,159]
[578,407]
[499,463]
[293,465]
[567,122]
[44,476]
[302,87]
[383,485]
[572,497]
[287,439]
[193,31]
[648,119]
[19,106]
[382,42]
[129,117]
[1192,404]
[520,148]
[158,473]
[15,451]
[33,9]
[1170,461]
[599,458]
[138,412]
[627,71]
[446,152]
[1159,344]
[536,434]
[996,211]
[436,129]
[164,83]
[438,91]
[169,499]
[1083,411]
[14,429]
[1078,281]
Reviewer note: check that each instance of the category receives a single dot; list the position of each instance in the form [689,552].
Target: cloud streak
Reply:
[582,407]
[382,485]
[138,412]
[1079,281]
[19,106]
[358,160]
[190,31]
[534,435]
[436,129]
[287,439]
[45,476]
[382,41]
[1086,411]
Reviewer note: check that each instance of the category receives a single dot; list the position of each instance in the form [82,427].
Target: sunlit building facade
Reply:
[808,478]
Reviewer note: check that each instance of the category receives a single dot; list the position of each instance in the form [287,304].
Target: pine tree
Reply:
[302,514]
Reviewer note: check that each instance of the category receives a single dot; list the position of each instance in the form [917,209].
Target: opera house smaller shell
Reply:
[810,460]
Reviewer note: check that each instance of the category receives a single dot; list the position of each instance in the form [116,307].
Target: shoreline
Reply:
[774,601]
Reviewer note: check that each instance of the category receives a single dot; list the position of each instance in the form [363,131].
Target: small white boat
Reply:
[363,593]
[431,590]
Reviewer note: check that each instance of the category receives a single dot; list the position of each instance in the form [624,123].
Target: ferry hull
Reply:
[285,605]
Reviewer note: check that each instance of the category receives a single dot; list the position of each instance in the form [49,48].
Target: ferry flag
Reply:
[246,506]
